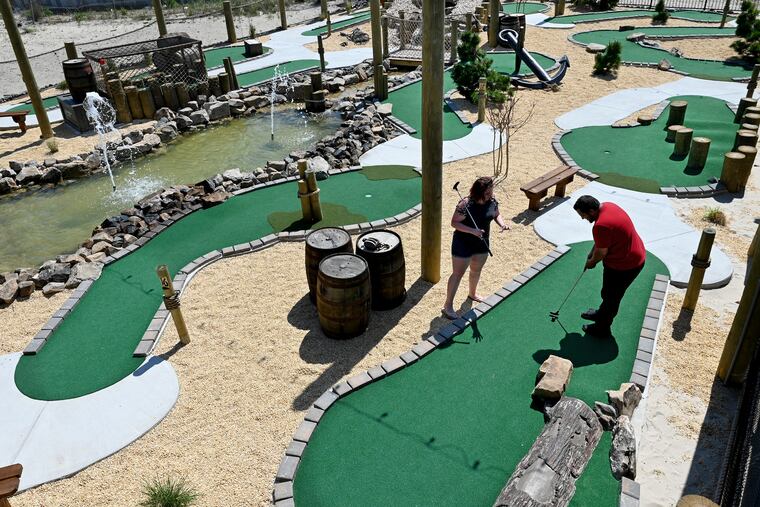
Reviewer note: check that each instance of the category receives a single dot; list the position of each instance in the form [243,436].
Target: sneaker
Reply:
[449,314]
[597,330]
[589,314]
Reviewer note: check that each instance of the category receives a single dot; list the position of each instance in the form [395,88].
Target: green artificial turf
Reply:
[46,103]
[332,215]
[407,101]
[92,348]
[632,52]
[640,159]
[701,16]
[451,428]
[258,76]
[384,172]
[524,7]
[355,20]
[215,57]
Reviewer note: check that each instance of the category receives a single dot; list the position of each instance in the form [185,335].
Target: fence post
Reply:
[454,40]
[159,10]
[726,8]
[377,43]
[386,52]
[401,30]
[481,100]
[493,23]
[321,51]
[699,262]
[231,35]
[323,14]
[71,50]
[171,302]
[283,17]
[348,6]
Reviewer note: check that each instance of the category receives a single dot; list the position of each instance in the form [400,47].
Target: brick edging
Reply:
[630,493]
[649,330]
[282,494]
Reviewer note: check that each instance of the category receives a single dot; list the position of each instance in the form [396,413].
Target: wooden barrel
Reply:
[343,295]
[319,244]
[387,270]
[79,77]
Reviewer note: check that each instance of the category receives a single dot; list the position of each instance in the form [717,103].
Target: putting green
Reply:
[407,101]
[640,159]
[700,16]
[632,52]
[215,57]
[524,8]
[355,20]
[92,348]
[46,103]
[259,76]
[451,428]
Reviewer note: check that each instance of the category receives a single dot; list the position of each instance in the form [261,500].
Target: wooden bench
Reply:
[17,116]
[538,188]
[9,480]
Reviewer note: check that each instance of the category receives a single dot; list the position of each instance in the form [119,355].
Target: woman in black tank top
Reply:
[469,246]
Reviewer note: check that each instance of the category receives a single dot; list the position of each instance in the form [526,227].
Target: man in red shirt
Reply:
[619,247]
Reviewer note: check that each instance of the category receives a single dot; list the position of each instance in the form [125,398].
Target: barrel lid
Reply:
[343,266]
[327,238]
[386,240]
[74,61]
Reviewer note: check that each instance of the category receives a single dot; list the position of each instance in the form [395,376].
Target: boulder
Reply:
[595,48]
[336,84]
[606,414]
[233,175]
[214,198]
[51,175]
[199,117]
[358,36]
[623,449]
[53,288]
[70,259]
[25,289]
[7,173]
[167,132]
[7,185]
[92,161]
[96,257]
[102,246]
[217,110]
[28,175]
[183,122]
[76,169]
[8,291]
[626,399]
[185,111]
[277,165]
[553,377]
[211,183]
[664,64]
[351,79]
[258,101]
[152,139]
[320,167]
[164,113]
[101,236]
[636,37]
[82,272]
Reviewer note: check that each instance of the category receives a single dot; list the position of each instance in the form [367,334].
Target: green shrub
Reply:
[63,85]
[745,23]
[748,27]
[52,144]
[251,31]
[168,493]
[661,14]
[609,60]
[715,216]
[472,65]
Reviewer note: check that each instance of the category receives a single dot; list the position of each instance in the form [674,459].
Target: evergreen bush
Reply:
[609,60]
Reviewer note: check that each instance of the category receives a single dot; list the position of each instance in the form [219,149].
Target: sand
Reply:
[257,358]
[334,42]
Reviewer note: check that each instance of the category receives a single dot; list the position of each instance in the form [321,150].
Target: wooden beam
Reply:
[377,44]
[159,10]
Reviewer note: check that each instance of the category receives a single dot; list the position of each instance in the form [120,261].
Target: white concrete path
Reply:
[663,233]
[55,439]
[616,106]
[539,20]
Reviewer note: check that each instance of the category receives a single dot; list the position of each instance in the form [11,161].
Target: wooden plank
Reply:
[13,114]
[8,487]
[11,471]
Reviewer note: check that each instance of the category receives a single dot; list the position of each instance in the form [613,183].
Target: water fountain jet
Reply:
[103,116]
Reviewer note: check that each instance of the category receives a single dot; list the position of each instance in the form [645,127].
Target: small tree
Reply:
[609,60]
[472,65]
[748,27]
[661,14]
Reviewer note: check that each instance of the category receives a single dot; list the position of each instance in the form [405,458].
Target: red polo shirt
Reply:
[614,230]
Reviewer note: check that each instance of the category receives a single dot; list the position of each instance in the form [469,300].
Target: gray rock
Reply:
[236,103]
[233,175]
[141,148]
[56,273]
[152,139]
[351,79]
[70,259]
[167,132]
[96,257]
[124,153]
[7,185]
[183,122]
[102,246]
[25,289]
[76,169]
[359,37]
[664,64]
[626,399]
[7,173]
[606,414]
[185,111]
[53,288]
[553,377]
[336,84]
[82,272]
[164,113]
[28,175]
[259,101]
[8,291]
[199,117]
[93,161]
[623,450]
[102,236]
[277,165]
[15,166]
[193,105]
[320,167]
[134,136]
[217,110]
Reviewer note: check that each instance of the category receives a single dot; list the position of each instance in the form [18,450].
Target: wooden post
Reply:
[169,94]
[745,138]
[224,82]
[751,118]
[753,81]
[316,206]
[329,24]
[745,329]
[171,302]
[135,108]
[454,41]
[723,18]
[380,91]
[26,69]
[183,94]
[683,142]
[321,51]
[677,114]
[229,67]
[401,30]
[230,22]
[670,135]
[123,114]
[283,17]
[493,23]
[71,50]
[214,87]
[468,22]
[386,52]
[699,262]
[744,103]
[432,137]
[323,13]
[745,169]
[303,196]
[146,102]
[316,81]
[732,164]
[482,100]
[559,8]
[159,10]
[377,42]
[700,147]
[348,6]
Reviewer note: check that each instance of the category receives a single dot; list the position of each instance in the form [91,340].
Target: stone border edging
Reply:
[630,493]
[244,60]
[709,190]
[282,494]
[649,330]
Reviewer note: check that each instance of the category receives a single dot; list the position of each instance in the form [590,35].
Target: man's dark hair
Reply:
[586,203]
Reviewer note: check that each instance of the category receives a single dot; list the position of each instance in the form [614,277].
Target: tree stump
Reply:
[749,152]
[682,142]
[744,103]
[745,138]
[645,119]
[547,474]
[677,113]
[732,165]
[671,135]
[700,147]
[751,118]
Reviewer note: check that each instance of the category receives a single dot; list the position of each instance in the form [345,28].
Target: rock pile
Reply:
[616,417]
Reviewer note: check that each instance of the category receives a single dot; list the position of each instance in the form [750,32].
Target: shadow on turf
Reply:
[527,217]
[343,355]
[582,350]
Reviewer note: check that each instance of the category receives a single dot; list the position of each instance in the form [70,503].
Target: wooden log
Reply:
[744,103]
[155,91]
[229,22]
[481,100]
[682,142]
[454,41]
[745,169]
[321,51]
[377,41]
[748,126]
[732,163]
[229,67]
[213,85]
[303,195]
[147,103]
[386,51]
[316,81]
[700,148]
[670,137]
[71,50]
[560,454]
[745,138]
[123,114]
[645,119]
[316,206]
[170,96]
[380,92]
[133,99]
[493,23]
[751,118]
[559,8]
[224,82]
[283,16]
[183,94]
[311,181]
[700,261]
[677,114]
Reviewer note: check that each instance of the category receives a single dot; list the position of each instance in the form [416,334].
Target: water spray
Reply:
[102,116]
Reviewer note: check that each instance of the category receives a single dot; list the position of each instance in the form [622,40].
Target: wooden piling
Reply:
[71,50]
[169,94]
[482,99]
[224,82]
[682,142]
[751,118]
[559,8]
[229,67]
[732,165]
[283,16]
[753,80]
[159,11]
[745,168]
[133,99]
[214,87]
[744,103]
[171,302]
[147,103]
[377,42]
[493,23]
[700,261]
[323,9]
[745,138]
[670,136]
[155,91]
[401,30]
[115,89]
[700,148]
[183,94]
[454,41]
[386,52]
[229,22]
[321,51]
[677,114]
[316,81]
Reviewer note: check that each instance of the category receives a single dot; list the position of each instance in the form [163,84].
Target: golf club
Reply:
[555,315]
[456,189]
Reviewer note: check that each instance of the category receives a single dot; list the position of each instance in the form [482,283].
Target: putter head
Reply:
[456,186]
